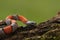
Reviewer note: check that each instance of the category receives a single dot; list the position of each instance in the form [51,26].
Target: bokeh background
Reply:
[36,10]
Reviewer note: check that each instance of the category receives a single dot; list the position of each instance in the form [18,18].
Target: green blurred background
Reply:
[36,10]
